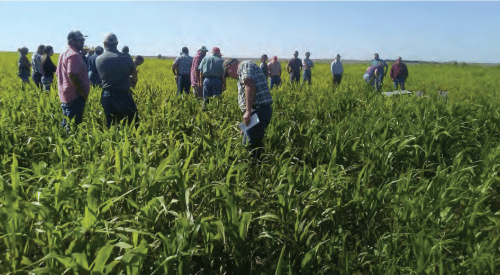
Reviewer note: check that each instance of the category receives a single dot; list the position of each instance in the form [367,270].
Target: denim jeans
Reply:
[37,78]
[275,81]
[337,78]
[294,77]
[25,77]
[95,80]
[400,81]
[256,133]
[119,105]
[183,83]
[47,82]
[212,86]
[73,109]
[375,81]
[306,75]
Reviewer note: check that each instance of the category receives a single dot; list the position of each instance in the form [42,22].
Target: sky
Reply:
[425,31]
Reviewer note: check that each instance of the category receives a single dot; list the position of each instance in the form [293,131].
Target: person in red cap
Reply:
[212,75]
[72,80]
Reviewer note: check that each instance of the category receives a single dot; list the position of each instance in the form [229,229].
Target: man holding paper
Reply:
[254,98]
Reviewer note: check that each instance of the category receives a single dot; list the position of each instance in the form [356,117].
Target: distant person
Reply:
[212,75]
[24,65]
[126,50]
[85,57]
[337,70]
[377,61]
[72,80]
[48,68]
[95,80]
[263,65]
[307,65]
[254,97]
[274,68]
[182,71]
[196,73]
[115,69]
[36,64]
[372,75]
[91,51]
[399,73]
[294,67]
[134,77]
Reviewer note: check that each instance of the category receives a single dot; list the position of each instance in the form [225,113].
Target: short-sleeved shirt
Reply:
[248,69]
[337,67]
[36,63]
[194,66]
[263,67]
[71,62]
[183,62]
[371,70]
[115,69]
[274,68]
[295,65]
[48,67]
[378,61]
[212,66]
[307,64]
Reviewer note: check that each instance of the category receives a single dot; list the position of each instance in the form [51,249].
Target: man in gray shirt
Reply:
[115,69]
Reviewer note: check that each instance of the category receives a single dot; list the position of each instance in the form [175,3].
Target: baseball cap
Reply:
[296,53]
[111,39]
[337,54]
[307,53]
[216,50]
[203,49]
[76,35]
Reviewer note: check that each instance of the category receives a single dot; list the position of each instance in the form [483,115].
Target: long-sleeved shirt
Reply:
[36,63]
[48,67]
[399,70]
[337,67]
[24,65]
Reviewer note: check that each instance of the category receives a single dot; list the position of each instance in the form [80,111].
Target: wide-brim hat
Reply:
[204,49]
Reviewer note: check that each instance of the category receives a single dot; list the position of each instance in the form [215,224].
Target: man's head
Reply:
[263,58]
[337,57]
[138,60]
[231,68]
[40,49]
[48,50]
[216,51]
[125,50]
[296,54]
[111,41]
[399,60]
[85,50]
[375,55]
[203,49]
[275,58]
[99,50]
[307,54]
[185,50]
[76,40]
[23,50]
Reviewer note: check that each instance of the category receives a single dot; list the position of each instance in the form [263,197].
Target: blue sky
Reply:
[429,31]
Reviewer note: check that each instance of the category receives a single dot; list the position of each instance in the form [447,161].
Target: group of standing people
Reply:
[375,74]
[43,67]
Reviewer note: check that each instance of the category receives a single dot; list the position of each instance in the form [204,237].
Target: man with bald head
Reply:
[115,69]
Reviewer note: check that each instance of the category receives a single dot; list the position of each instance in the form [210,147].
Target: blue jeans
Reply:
[275,81]
[37,78]
[73,109]
[375,81]
[119,105]
[306,75]
[47,82]
[294,77]
[183,83]
[400,81]
[25,77]
[337,78]
[212,86]
[95,80]
[256,133]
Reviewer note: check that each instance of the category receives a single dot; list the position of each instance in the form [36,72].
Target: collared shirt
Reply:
[36,62]
[371,70]
[183,63]
[295,65]
[378,61]
[249,70]
[264,68]
[274,68]
[71,62]
[194,66]
[212,66]
[307,64]
[337,67]
[24,65]
[115,69]
[399,70]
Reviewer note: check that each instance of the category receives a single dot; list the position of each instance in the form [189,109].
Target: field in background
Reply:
[352,182]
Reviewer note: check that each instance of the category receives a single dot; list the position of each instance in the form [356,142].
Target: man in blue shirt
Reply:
[212,75]
[182,71]
[95,80]
[377,61]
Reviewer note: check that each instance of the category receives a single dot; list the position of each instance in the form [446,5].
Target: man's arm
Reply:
[249,99]
[78,85]
[175,70]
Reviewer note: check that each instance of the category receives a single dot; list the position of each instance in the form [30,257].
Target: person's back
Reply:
[114,69]
[212,66]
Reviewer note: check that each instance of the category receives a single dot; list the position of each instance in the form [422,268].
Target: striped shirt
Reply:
[249,70]
[183,62]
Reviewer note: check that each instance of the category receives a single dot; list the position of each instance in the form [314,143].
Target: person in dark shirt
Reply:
[263,65]
[24,65]
[294,67]
[399,73]
[115,70]
[95,80]
[85,56]
[48,68]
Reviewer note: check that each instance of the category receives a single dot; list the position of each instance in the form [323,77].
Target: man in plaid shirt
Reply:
[182,71]
[253,98]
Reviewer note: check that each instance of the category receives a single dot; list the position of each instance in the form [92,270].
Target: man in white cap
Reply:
[115,69]
[72,80]
[337,70]
[307,65]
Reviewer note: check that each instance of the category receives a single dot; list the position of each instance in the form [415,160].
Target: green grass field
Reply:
[352,182]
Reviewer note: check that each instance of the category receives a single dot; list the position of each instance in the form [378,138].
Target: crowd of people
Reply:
[115,73]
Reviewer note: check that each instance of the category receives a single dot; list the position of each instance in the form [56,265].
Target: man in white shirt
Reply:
[337,70]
